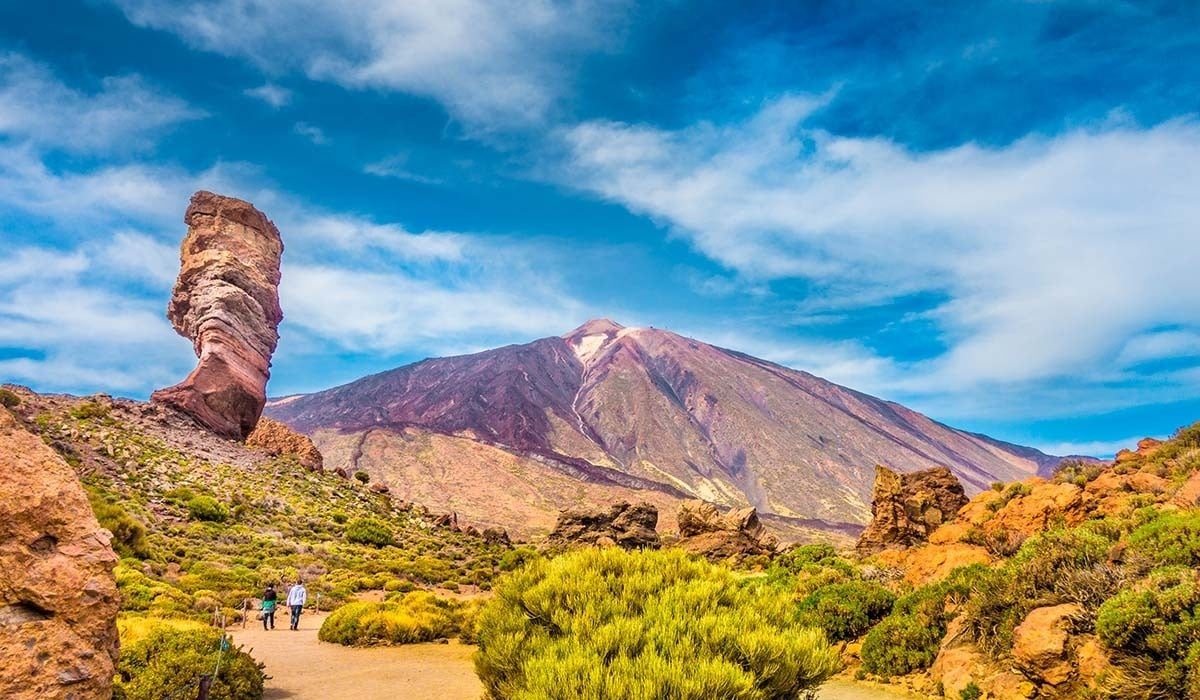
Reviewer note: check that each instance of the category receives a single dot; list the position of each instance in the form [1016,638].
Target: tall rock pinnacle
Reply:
[226,301]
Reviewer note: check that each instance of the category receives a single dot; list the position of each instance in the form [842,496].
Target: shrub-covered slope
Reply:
[201,522]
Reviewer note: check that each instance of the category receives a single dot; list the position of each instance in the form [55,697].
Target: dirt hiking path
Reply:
[302,668]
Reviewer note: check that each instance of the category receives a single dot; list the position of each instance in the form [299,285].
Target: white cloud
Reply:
[394,311]
[1052,252]
[80,329]
[397,166]
[310,132]
[487,61]
[124,114]
[274,95]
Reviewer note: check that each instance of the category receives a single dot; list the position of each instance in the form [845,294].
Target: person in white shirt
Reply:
[297,596]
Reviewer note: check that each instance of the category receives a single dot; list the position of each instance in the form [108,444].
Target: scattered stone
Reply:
[277,439]
[907,508]
[226,301]
[58,597]
[624,525]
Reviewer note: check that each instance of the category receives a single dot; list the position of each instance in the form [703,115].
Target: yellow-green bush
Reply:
[168,663]
[207,508]
[419,616]
[606,623]
[369,531]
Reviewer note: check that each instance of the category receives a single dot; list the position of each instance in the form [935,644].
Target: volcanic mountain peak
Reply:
[589,340]
[606,409]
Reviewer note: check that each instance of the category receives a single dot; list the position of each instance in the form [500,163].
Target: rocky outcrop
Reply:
[1040,643]
[907,508]
[226,301]
[58,598]
[275,438]
[706,531]
[624,525]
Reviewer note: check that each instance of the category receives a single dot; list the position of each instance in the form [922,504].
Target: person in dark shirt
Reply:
[269,600]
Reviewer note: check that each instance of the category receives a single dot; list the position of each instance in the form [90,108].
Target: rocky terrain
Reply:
[58,597]
[606,414]
[226,301]
[1081,585]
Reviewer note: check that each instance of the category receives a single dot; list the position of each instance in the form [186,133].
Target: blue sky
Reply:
[985,210]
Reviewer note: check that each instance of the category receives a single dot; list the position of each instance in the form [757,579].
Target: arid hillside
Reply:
[508,436]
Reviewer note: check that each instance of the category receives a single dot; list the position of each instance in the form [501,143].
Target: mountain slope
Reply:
[641,409]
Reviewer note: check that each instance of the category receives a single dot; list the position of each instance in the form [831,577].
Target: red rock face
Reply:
[908,507]
[58,598]
[226,301]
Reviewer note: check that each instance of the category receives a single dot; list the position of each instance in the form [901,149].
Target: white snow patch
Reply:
[586,347]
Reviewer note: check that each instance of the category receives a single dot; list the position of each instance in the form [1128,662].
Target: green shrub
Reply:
[169,663]
[907,640]
[89,409]
[369,531]
[1169,539]
[419,616]
[9,399]
[129,534]
[970,692]
[1155,628]
[1159,617]
[606,623]
[207,509]
[846,610]
[362,476]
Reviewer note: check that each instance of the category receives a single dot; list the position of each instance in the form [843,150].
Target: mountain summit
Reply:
[508,436]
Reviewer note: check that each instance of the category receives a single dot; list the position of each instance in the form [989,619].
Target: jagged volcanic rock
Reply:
[58,598]
[704,530]
[908,507]
[275,438]
[624,525]
[226,301]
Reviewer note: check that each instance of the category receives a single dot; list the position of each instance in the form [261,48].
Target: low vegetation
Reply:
[605,623]
[166,660]
[417,616]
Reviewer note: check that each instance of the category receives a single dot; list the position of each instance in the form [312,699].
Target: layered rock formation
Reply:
[906,508]
[58,598]
[624,525]
[706,531]
[275,438]
[226,301]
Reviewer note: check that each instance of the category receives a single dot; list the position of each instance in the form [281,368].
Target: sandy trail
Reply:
[302,668]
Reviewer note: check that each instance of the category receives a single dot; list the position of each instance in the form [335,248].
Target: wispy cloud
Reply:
[1051,253]
[397,166]
[274,95]
[123,113]
[488,62]
[312,133]
[403,310]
